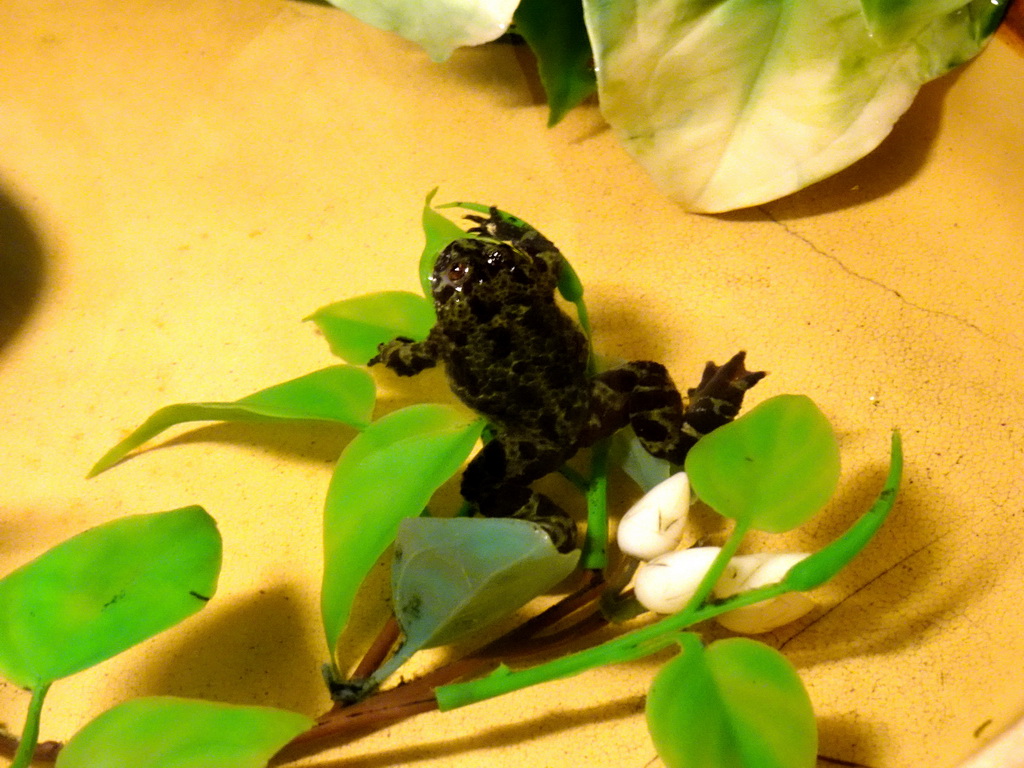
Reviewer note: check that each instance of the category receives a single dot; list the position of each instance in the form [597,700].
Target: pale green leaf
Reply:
[439,26]
[731,104]
[644,469]
[452,576]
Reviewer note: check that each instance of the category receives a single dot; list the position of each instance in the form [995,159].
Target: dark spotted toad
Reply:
[513,356]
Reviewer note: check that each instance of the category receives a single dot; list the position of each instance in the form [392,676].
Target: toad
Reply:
[515,357]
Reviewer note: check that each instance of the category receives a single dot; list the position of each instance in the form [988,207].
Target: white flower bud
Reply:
[655,524]
[747,572]
[666,583]
[760,569]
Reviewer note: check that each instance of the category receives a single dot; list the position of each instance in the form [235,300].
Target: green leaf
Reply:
[452,576]
[105,590]
[772,468]
[558,37]
[822,565]
[736,704]
[355,327]
[386,474]
[439,232]
[340,393]
[169,732]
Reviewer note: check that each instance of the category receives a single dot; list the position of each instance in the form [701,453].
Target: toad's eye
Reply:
[457,273]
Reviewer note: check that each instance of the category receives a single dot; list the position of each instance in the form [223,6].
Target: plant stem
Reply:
[595,548]
[431,692]
[30,733]
[387,707]
[633,645]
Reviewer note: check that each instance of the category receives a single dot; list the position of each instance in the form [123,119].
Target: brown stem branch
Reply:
[46,751]
[583,627]
[587,594]
[387,707]
[379,650]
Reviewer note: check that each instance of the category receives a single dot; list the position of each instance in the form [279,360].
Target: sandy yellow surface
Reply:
[181,183]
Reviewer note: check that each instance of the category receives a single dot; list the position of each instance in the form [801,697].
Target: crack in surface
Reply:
[879,284]
[839,761]
[885,572]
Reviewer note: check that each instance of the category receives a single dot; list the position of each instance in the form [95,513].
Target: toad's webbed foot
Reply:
[405,356]
[496,483]
[512,229]
[642,395]
[717,399]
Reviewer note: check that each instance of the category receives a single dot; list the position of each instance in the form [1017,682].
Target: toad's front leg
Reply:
[405,356]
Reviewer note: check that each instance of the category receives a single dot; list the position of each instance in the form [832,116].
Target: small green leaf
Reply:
[821,566]
[558,38]
[736,704]
[772,468]
[439,231]
[105,590]
[452,576]
[169,732]
[355,327]
[340,393]
[386,474]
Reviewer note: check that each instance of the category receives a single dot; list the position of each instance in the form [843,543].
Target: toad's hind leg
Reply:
[643,395]
[497,483]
